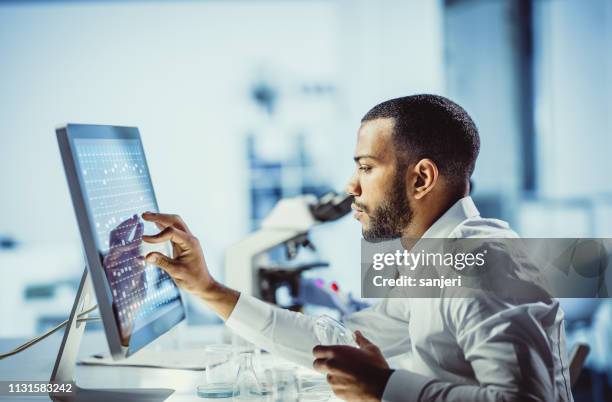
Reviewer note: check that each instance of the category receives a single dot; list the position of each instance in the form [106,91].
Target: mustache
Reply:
[360,206]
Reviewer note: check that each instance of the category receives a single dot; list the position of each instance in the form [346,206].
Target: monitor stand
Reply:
[63,370]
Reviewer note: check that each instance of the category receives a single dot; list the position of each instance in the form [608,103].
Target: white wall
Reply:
[181,71]
[573,108]
[386,49]
[481,77]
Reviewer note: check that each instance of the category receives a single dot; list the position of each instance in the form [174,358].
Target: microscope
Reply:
[249,267]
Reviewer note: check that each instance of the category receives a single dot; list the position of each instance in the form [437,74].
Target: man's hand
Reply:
[188,267]
[355,374]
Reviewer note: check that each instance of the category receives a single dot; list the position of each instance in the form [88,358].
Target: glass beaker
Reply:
[220,365]
[220,372]
[286,385]
[332,332]
[246,387]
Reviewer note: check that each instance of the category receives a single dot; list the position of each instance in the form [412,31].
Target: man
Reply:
[414,157]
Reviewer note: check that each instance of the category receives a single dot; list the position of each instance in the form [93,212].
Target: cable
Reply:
[40,337]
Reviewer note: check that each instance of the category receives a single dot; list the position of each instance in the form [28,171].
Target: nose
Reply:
[353,187]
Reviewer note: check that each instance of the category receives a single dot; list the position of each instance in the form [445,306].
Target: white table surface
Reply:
[36,363]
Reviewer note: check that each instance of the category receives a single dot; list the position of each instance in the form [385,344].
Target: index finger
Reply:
[330,366]
[165,220]
[171,233]
[323,352]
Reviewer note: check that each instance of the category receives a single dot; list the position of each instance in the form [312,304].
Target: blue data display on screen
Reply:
[117,189]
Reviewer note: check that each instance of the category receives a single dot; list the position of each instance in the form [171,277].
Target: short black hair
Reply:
[434,127]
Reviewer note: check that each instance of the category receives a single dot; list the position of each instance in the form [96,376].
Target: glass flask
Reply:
[246,387]
[332,332]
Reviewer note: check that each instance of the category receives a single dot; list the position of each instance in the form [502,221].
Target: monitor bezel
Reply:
[66,136]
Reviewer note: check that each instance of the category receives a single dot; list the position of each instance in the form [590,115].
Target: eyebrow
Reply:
[359,157]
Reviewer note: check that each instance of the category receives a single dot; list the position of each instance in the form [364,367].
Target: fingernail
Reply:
[152,259]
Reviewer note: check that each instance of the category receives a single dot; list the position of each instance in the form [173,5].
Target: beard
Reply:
[388,220]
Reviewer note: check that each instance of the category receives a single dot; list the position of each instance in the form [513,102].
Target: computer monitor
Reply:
[111,187]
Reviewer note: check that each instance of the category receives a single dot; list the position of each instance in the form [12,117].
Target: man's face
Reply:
[379,183]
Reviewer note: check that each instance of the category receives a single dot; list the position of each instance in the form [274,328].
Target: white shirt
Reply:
[442,349]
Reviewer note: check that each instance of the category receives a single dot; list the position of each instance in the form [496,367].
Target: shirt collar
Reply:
[459,212]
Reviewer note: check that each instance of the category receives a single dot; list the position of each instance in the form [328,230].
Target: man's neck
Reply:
[414,231]
[424,217]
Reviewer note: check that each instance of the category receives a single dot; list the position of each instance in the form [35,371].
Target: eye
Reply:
[365,168]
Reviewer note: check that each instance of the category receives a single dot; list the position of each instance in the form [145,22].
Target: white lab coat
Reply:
[444,349]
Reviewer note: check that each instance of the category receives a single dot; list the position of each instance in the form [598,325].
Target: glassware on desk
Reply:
[314,388]
[220,365]
[239,344]
[332,332]
[287,386]
[247,387]
[220,372]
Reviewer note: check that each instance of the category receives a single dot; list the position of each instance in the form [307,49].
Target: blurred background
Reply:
[242,103]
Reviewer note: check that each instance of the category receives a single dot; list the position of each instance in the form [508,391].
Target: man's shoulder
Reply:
[478,227]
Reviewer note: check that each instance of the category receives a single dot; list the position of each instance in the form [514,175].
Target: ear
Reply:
[427,174]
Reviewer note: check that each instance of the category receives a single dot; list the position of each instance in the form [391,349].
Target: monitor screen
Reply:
[116,189]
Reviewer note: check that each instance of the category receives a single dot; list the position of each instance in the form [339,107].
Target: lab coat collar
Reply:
[459,212]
